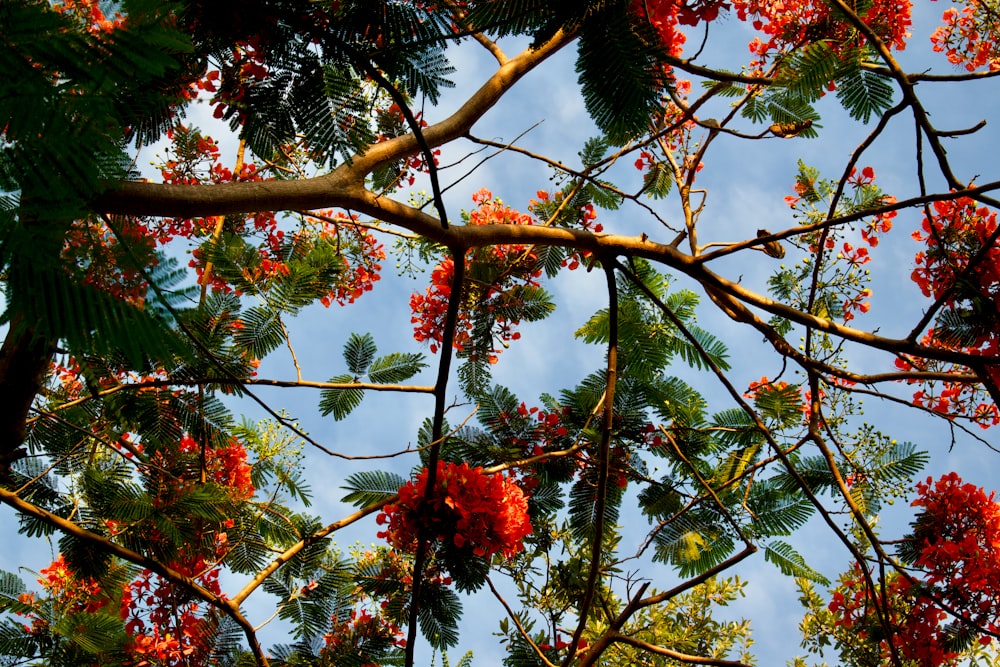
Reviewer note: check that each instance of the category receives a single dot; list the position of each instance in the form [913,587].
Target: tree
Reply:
[120,365]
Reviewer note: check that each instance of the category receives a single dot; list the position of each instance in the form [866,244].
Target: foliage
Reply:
[175,523]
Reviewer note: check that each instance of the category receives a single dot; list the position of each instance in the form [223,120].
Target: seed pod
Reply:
[789,130]
[771,248]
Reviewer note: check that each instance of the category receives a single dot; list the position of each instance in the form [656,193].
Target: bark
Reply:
[24,360]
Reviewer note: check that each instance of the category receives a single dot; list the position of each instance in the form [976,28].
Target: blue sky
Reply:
[746,184]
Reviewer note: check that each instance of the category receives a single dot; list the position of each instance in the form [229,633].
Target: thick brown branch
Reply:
[24,359]
[340,189]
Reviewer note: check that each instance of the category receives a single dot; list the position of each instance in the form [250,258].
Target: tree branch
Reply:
[229,607]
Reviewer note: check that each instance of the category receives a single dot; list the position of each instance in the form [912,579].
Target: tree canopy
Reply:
[145,308]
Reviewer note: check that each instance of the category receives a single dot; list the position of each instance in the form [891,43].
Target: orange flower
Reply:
[484,513]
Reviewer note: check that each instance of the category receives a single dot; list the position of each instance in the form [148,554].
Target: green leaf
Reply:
[808,71]
[546,499]
[550,259]
[468,572]
[621,73]
[83,558]
[474,376]
[16,643]
[359,352]
[815,472]
[602,193]
[782,106]
[65,131]
[791,563]
[658,181]
[660,500]
[776,511]
[11,588]
[736,429]
[94,633]
[583,512]
[92,322]
[275,527]
[900,462]
[782,404]
[522,302]
[440,610]
[594,150]
[170,293]
[369,487]
[309,616]
[693,542]
[864,93]
[250,553]
[340,402]
[711,347]
[396,367]
[426,71]
[736,463]
[496,408]
[807,181]
[261,333]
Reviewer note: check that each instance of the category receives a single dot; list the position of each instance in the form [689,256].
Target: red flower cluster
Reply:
[246,69]
[961,265]
[90,14]
[796,22]
[561,643]
[106,259]
[764,386]
[167,627]
[484,513]
[858,303]
[958,545]
[164,625]
[957,231]
[959,536]
[351,637]
[549,428]
[429,309]
[663,17]
[969,37]
[914,623]
[953,399]
[75,593]
[195,159]
[226,466]
[510,266]
[361,254]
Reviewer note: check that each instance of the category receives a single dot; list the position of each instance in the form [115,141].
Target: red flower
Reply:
[958,552]
[513,266]
[485,513]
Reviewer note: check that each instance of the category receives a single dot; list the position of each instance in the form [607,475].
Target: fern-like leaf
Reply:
[368,487]
[11,588]
[340,402]
[864,93]
[791,563]
[440,610]
[359,352]
[261,332]
[396,367]
[776,511]
[95,633]
[620,73]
